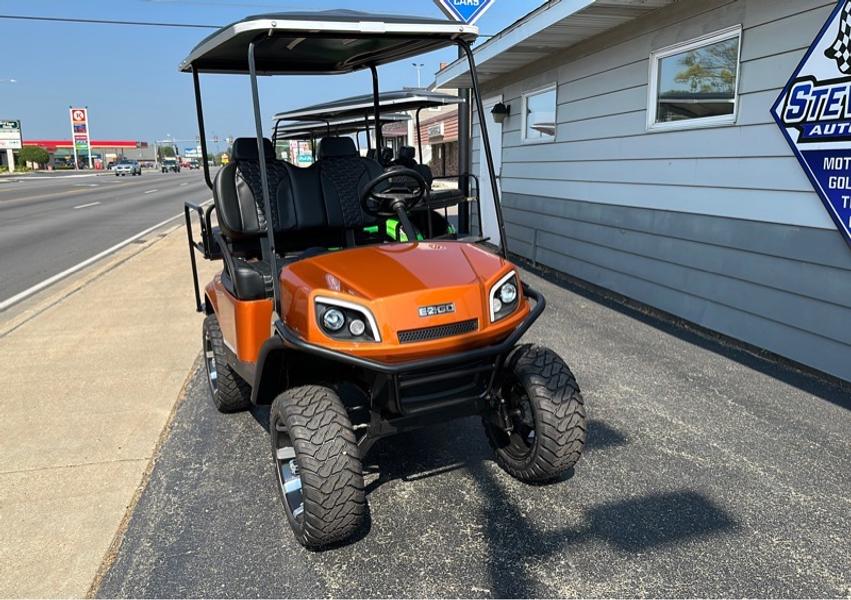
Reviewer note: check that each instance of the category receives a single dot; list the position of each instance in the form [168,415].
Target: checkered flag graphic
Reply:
[841,49]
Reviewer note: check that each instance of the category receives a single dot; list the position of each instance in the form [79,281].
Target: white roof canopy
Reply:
[556,25]
[323,42]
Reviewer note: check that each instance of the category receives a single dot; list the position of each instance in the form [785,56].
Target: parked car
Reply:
[127,167]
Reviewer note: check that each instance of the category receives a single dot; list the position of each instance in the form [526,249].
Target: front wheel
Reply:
[541,431]
[317,465]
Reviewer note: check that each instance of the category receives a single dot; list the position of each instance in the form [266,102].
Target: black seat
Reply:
[237,194]
[406,158]
[312,208]
[344,174]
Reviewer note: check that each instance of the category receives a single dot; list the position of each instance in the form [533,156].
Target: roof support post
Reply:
[464,158]
[368,142]
[420,136]
[269,239]
[202,132]
[486,146]
[376,101]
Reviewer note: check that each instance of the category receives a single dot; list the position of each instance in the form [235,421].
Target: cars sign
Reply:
[465,11]
[814,114]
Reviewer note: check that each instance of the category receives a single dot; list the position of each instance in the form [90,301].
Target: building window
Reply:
[539,115]
[695,84]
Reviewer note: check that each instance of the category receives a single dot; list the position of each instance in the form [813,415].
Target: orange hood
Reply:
[394,281]
[376,272]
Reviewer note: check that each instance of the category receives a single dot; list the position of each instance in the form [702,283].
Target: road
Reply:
[708,473]
[51,223]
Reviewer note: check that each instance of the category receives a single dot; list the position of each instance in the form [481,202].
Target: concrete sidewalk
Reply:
[92,371]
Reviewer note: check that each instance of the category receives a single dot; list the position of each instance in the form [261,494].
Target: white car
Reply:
[127,167]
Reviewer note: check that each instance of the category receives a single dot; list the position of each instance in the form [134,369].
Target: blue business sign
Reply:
[466,11]
[814,113]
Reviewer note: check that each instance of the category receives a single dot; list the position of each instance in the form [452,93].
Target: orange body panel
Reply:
[392,281]
[245,325]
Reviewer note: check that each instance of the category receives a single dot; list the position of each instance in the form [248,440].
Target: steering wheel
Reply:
[399,187]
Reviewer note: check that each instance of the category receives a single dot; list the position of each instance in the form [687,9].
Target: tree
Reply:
[166,151]
[34,154]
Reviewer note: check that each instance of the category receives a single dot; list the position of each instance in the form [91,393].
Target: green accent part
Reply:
[395,232]
[371,229]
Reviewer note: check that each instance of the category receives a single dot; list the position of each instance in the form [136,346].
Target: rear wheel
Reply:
[230,392]
[546,428]
[317,465]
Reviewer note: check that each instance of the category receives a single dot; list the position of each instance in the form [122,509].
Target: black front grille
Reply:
[440,331]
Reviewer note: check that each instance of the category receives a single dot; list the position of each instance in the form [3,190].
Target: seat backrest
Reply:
[310,206]
[343,175]
[237,190]
[406,157]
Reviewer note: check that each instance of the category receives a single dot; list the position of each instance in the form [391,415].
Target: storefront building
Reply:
[103,152]
[439,135]
[639,153]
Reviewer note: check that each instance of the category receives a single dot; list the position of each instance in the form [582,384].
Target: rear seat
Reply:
[437,198]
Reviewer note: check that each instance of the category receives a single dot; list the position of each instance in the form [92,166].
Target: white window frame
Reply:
[523,112]
[680,48]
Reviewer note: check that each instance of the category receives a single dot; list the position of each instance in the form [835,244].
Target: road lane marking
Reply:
[151,191]
[45,196]
[182,184]
[87,205]
[80,266]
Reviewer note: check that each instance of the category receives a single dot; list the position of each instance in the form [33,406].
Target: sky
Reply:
[127,75]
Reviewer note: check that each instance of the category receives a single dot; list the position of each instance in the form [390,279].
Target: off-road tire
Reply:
[328,462]
[558,411]
[232,393]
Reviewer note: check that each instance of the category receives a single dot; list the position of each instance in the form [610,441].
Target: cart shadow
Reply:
[632,526]
[455,446]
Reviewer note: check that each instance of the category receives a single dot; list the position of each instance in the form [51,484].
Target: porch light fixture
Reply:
[500,112]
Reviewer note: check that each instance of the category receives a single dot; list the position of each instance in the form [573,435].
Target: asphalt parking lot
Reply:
[709,472]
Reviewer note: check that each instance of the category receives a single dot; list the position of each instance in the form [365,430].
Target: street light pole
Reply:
[418,67]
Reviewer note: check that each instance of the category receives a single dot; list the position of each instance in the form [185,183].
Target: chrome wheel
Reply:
[210,363]
[286,468]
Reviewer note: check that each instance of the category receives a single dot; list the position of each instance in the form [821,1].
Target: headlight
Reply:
[503,297]
[508,293]
[333,319]
[347,321]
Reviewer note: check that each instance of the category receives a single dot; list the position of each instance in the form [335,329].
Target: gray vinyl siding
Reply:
[719,226]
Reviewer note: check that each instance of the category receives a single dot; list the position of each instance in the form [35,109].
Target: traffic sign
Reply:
[465,11]
[10,135]
[814,114]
